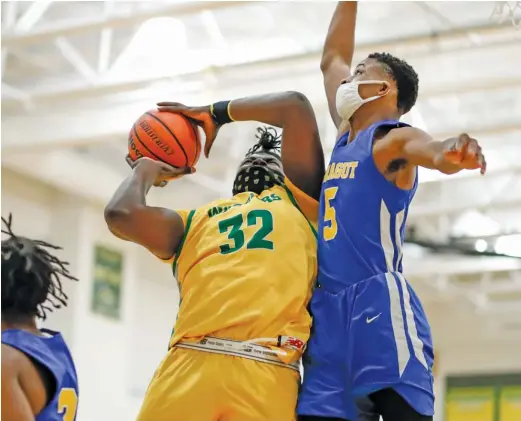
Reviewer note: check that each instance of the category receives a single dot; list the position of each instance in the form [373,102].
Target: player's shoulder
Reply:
[13,361]
[306,204]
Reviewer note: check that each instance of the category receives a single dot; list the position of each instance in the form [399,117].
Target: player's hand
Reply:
[200,116]
[466,153]
[160,172]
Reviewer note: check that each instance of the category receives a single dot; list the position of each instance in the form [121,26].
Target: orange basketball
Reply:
[166,137]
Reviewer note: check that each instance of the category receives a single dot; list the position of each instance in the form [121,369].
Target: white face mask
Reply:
[348,100]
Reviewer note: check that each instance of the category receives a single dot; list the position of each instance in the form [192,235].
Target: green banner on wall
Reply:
[510,403]
[108,279]
[470,404]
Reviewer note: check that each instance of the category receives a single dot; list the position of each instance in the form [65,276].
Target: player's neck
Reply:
[28,324]
[363,120]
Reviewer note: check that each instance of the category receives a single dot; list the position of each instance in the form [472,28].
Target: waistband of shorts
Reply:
[337,287]
[239,349]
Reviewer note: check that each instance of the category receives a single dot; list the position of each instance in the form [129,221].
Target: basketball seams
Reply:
[136,135]
[171,133]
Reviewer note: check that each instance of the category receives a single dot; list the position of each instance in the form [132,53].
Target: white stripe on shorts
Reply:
[398,323]
[412,330]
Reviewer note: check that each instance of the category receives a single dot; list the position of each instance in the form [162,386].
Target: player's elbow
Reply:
[325,62]
[118,217]
[297,101]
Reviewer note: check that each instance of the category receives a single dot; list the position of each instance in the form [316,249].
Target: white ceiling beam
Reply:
[8,21]
[75,59]
[18,95]
[457,195]
[69,29]
[73,173]
[67,171]
[105,40]
[445,265]
[32,15]
[263,71]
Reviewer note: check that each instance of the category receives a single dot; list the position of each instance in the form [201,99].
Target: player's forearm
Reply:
[428,153]
[130,195]
[340,40]
[275,109]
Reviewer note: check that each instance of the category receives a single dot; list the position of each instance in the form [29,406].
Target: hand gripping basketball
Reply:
[199,115]
[465,152]
[162,173]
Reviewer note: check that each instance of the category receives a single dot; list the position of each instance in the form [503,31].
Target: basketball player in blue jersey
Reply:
[39,381]
[371,352]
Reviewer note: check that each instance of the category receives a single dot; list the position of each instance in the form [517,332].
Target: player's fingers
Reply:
[130,161]
[461,143]
[170,104]
[482,163]
[473,147]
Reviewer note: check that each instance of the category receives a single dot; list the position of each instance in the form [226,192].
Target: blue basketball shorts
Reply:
[369,336]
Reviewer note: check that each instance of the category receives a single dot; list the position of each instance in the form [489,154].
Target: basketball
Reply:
[167,137]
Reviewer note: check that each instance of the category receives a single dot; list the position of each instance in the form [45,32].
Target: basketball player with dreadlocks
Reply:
[371,340]
[245,266]
[39,381]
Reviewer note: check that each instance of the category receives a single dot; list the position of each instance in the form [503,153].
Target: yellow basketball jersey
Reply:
[246,266]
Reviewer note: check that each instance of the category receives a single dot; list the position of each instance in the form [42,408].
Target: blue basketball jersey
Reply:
[52,352]
[370,331]
[362,215]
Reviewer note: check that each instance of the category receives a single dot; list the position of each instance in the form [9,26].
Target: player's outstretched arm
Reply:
[302,154]
[128,217]
[337,55]
[414,147]
[16,405]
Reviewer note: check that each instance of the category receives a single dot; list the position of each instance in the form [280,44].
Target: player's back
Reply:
[50,352]
[362,215]
[246,268]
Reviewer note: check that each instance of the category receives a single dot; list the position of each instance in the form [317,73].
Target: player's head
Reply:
[261,168]
[383,83]
[31,283]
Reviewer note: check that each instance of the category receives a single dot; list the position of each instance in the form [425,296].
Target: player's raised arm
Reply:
[129,217]
[302,154]
[415,147]
[338,52]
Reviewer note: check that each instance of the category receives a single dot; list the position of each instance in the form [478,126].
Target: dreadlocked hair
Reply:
[405,77]
[268,140]
[31,283]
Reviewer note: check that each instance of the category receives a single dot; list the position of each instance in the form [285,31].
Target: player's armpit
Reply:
[15,404]
[308,205]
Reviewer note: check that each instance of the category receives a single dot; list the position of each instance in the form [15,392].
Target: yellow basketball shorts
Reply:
[192,385]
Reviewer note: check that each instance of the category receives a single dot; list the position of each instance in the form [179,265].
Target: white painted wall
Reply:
[115,360]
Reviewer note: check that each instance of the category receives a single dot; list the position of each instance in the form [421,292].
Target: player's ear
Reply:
[385,87]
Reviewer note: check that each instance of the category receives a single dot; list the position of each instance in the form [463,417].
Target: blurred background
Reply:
[75,75]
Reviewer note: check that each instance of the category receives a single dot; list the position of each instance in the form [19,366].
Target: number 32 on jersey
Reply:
[330,224]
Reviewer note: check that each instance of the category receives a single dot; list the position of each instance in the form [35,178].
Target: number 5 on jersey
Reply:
[330,225]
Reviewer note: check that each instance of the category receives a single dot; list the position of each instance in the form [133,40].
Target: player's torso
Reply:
[52,353]
[362,215]
[246,269]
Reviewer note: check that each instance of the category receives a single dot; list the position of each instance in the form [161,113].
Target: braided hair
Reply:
[31,283]
[268,141]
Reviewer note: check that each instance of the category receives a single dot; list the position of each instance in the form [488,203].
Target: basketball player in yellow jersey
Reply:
[245,266]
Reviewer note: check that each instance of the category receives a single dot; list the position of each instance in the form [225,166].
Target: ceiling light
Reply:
[481,245]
